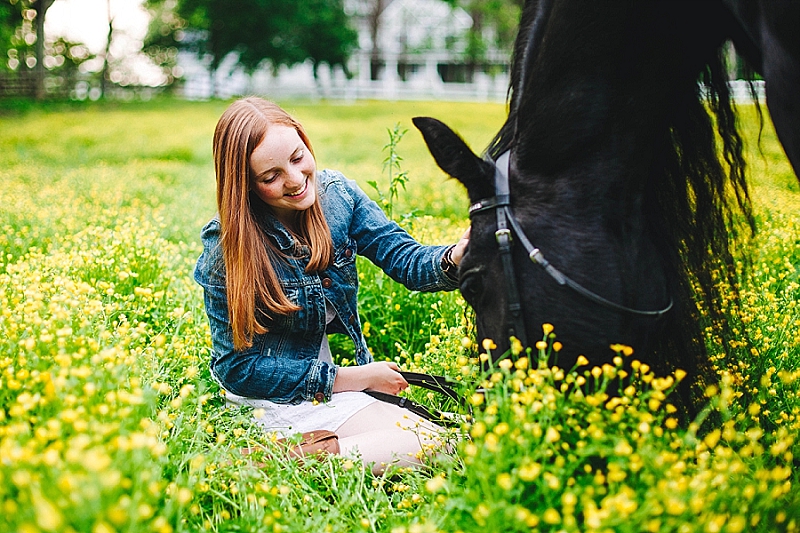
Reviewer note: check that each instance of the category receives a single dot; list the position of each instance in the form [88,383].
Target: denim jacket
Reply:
[282,365]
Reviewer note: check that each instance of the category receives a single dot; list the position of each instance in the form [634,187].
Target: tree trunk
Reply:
[41,7]
[104,74]
[474,55]
[374,19]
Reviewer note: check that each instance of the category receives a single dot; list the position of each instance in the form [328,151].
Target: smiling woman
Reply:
[282,168]
[279,273]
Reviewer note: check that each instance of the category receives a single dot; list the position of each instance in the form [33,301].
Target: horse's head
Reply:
[614,178]
[514,295]
[480,272]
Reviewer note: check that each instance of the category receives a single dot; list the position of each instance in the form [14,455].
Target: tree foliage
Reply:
[257,31]
[28,53]
[500,17]
[10,20]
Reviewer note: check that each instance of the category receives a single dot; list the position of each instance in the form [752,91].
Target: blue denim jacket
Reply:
[283,365]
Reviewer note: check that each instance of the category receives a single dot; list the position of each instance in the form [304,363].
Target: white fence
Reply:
[299,82]
[423,84]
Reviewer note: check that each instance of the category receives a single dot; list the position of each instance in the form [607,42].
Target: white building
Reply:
[419,54]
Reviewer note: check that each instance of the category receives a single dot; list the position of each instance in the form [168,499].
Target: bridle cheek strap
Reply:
[515,325]
[506,226]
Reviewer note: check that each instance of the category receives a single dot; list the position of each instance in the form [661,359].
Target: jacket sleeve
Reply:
[390,247]
[250,372]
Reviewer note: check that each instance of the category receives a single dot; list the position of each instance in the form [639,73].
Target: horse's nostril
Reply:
[471,287]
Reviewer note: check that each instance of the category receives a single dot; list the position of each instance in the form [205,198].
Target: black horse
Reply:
[620,171]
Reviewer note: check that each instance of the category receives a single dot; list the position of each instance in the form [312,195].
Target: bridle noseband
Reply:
[508,224]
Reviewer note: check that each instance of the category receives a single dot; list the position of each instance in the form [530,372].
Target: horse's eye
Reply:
[471,286]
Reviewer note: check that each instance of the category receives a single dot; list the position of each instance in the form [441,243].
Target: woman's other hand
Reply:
[381,376]
[458,251]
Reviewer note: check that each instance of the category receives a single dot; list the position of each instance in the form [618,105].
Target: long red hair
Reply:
[254,290]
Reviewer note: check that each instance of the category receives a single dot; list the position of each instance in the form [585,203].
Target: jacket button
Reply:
[327,282]
[348,253]
[320,397]
[352,319]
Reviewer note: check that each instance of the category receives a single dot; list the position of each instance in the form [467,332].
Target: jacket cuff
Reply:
[447,280]
[319,386]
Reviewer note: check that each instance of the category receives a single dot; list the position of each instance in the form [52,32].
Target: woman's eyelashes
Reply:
[270,176]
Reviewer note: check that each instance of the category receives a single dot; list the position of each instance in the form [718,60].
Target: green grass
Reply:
[109,421]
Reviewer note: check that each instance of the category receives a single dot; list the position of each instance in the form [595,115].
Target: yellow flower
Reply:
[478,430]
[541,345]
[551,516]
[581,361]
[48,517]
[627,351]
[102,527]
[529,472]
[516,346]
[476,399]
[504,481]
[435,484]
[712,438]
[547,328]
[488,344]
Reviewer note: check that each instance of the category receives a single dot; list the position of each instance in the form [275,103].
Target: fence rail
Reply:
[484,89]
[17,86]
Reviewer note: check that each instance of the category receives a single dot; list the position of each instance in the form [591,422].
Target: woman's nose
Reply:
[296,177]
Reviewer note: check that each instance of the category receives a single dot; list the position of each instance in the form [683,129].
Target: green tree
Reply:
[320,31]
[501,17]
[10,20]
[41,7]
[22,34]
[374,10]
[257,31]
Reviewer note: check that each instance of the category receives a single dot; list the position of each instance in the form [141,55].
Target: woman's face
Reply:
[283,172]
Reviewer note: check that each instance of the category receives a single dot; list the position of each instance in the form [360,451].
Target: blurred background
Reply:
[200,49]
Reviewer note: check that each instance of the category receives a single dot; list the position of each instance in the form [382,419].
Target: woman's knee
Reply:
[381,416]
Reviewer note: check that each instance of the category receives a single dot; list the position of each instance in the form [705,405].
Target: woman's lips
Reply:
[300,192]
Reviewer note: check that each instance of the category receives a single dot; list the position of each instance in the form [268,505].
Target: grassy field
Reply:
[109,421]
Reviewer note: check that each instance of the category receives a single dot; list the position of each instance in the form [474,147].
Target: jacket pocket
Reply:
[344,260]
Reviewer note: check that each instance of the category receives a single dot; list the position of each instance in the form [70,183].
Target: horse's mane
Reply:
[525,38]
[697,208]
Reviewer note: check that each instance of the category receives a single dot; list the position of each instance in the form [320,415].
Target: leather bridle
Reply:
[507,225]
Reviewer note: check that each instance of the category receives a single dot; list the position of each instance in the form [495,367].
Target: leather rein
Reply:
[507,226]
[440,384]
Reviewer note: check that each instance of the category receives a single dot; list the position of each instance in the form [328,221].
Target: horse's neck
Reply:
[605,78]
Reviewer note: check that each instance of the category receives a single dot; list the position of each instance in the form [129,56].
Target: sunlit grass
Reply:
[109,420]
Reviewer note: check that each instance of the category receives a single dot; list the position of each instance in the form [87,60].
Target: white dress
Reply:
[287,419]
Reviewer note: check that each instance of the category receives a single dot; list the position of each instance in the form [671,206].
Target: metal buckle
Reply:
[502,233]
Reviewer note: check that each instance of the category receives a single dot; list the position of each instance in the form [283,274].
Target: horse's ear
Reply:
[454,157]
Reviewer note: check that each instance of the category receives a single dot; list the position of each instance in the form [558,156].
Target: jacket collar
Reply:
[273,227]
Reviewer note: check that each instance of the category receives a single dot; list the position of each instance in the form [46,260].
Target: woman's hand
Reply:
[381,376]
[458,251]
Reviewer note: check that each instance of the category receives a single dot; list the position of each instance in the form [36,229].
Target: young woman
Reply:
[278,273]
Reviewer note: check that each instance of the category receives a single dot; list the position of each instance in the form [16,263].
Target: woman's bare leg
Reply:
[385,434]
